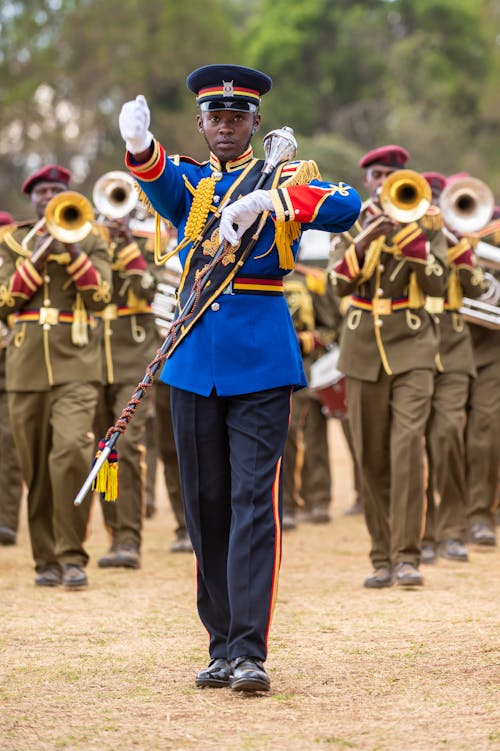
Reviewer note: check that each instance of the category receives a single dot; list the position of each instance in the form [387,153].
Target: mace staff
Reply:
[279,146]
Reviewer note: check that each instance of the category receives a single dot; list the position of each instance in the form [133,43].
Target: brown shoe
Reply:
[482,534]
[428,553]
[121,556]
[289,521]
[74,576]
[407,575]
[181,544]
[7,536]
[381,577]
[48,576]
[453,550]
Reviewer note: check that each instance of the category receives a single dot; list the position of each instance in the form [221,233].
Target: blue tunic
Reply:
[243,343]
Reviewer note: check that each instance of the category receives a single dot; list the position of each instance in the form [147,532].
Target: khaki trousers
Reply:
[387,421]
[10,472]
[55,443]
[307,475]
[446,457]
[123,519]
[482,444]
[165,444]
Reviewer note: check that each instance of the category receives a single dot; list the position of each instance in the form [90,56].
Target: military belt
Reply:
[48,316]
[112,312]
[255,285]
[380,306]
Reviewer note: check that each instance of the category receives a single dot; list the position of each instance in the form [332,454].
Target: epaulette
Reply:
[16,225]
[178,158]
[299,172]
[7,228]
[432,219]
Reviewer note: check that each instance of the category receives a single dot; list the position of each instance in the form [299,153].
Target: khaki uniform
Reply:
[130,340]
[307,480]
[53,368]
[445,429]
[165,445]
[10,472]
[482,436]
[388,349]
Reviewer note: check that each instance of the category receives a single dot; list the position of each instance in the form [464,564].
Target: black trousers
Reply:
[230,453]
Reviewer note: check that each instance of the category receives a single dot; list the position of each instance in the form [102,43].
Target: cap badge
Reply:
[227,88]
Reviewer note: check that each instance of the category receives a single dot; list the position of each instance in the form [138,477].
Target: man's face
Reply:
[375,177]
[43,192]
[227,133]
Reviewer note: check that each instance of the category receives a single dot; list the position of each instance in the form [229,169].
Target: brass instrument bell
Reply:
[467,205]
[69,217]
[115,194]
[405,196]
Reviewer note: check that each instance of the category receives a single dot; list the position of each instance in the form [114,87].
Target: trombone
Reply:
[69,218]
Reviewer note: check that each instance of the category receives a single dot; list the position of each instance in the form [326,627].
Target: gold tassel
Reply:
[79,326]
[285,234]
[455,293]
[416,297]
[106,480]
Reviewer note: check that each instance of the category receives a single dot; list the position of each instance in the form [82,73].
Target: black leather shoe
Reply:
[381,577]
[74,576]
[249,675]
[48,576]
[217,675]
[482,534]
[428,553]
[7,536]
[121,556]
[453,550]
[408,575]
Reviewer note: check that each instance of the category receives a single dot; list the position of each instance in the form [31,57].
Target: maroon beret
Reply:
[389,156]
[6,218]
[52,173]
[435,179]
[456,176]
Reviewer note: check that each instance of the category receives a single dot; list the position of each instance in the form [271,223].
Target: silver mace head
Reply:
[279,146]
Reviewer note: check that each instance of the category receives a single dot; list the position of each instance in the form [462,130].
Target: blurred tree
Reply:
[369,71]
[66,67]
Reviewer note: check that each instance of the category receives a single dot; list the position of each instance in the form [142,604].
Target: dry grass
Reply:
[112,667]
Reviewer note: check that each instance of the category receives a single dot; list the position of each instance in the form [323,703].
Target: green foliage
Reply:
[347,76]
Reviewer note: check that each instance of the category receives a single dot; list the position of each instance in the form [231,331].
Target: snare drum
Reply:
[328,384]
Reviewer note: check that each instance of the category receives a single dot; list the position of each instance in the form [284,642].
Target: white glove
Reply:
[243,212]
[134,122]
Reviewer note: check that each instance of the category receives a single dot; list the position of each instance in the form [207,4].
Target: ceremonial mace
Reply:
[279,146]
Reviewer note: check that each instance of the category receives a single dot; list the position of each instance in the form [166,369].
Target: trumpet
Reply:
[69,218]
[115,195]
[405,197]
[467,205]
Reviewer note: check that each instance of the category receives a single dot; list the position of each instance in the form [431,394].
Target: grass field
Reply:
[112,668]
